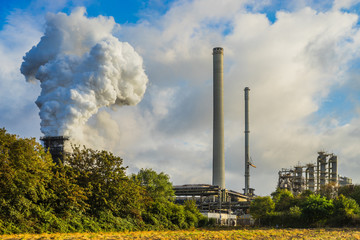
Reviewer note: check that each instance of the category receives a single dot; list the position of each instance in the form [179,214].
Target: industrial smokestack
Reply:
[247,132]
[218,130]
[56,146]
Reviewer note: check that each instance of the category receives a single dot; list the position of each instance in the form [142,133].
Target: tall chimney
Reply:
[56,146]
[247,131]
[218,130]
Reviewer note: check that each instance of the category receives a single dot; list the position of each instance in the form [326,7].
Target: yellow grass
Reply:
[201,234]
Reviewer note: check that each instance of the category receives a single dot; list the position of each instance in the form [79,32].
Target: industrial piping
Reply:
[247,132]
[218,121]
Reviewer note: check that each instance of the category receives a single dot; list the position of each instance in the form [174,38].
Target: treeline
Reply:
[89,191]
[333,207]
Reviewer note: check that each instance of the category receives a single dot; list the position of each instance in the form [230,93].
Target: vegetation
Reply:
[90,192]
[235,233]
[87,192]
[307,209]
[262,207]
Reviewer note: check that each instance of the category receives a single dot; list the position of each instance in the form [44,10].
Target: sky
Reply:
[301,60]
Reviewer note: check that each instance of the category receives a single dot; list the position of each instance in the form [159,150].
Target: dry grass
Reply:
[201,234]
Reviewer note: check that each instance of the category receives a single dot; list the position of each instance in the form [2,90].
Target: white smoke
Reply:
[82,68]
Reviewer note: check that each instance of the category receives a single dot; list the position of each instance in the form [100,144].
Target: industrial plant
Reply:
[216,201]
[313,177]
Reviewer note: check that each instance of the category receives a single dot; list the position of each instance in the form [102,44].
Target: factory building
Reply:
[313,177]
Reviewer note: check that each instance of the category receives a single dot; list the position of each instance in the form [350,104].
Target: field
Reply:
[330,233]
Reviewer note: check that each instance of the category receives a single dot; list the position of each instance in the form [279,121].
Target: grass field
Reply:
[202,234]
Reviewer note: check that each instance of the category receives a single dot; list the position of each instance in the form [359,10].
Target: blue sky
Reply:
[299,58]
[122,11]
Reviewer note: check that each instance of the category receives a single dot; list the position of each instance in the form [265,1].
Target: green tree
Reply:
[261,207]
[107,187]
[192,214]
[345,206]
[25,176]
[157,185]
[68,197]
[352,191]
[316,209]
[88,191]
[162,213]
[283,199]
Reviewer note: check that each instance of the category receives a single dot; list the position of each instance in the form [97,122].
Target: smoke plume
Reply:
[81,67]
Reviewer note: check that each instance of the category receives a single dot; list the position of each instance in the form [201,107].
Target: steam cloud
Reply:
[82,68]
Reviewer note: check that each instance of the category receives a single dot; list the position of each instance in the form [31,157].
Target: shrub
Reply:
[316,209]
[261,207]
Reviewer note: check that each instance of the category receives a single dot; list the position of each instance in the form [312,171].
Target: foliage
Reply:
[316,209]
[352,191]
[88,191]
[25,173]
[261,207]
[345,206]
[157,185]
[283,199]
[103,178]
[345,212]
[307,210]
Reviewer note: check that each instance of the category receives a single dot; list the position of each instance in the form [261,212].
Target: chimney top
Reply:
[218,50]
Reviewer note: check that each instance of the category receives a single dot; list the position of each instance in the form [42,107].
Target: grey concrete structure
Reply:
[247,132]
[218,122]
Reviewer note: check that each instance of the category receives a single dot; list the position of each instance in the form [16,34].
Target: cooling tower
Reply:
[218,128]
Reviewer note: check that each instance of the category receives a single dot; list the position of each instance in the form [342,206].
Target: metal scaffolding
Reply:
[210,198]
[301,178]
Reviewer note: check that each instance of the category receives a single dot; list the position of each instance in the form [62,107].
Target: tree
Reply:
[107,187]
[283,199]
[352,191]
[261,207]
[345,206]
[157,185]
[68,197]
[25,172]
[88,191]
[316,209]
[192,214]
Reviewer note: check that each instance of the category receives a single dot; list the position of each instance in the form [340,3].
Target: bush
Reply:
[283,199]
[351,191]
[260,207]
[316,210]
